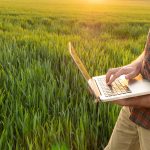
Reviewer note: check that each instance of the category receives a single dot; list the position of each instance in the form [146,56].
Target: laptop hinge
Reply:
[94,88]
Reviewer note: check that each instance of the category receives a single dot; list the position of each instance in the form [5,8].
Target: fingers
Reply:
[110,73]
[128,102]
[113,74]
[116,75]
[119,102]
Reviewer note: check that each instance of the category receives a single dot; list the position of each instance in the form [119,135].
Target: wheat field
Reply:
[44,101]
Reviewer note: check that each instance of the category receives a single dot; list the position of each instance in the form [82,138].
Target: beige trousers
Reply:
[127,135]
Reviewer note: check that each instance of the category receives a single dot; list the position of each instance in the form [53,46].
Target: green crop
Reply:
[44,101]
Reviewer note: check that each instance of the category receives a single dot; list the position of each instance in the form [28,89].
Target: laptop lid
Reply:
[79,62]
[91,82]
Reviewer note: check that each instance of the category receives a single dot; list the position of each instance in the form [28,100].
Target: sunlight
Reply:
[96,1]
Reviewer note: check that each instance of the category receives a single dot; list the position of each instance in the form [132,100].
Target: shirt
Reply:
[141,116]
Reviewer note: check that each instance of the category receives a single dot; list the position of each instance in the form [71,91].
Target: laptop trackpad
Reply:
[139,86]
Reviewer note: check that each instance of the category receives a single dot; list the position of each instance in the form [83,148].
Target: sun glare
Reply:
[96,1]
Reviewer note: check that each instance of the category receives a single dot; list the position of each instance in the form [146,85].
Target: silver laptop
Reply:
[119,89]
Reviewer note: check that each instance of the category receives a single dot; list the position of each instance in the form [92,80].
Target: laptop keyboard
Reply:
[118,87]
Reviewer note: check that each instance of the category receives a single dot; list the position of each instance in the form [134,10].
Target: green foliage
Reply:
[44,102]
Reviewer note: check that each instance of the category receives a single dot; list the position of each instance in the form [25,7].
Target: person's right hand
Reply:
[130,72]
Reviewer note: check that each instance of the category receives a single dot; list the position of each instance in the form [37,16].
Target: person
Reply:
[132,129]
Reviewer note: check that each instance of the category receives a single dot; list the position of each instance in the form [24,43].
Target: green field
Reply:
[44,102]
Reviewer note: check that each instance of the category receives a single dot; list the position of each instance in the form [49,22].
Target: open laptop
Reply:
[119,89]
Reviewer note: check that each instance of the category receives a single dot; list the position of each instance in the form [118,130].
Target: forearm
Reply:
[139,60]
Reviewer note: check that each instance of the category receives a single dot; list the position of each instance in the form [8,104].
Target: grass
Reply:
[44,103]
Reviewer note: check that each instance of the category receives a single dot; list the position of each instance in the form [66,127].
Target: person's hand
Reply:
[138,102]
[127,102]
[130,72]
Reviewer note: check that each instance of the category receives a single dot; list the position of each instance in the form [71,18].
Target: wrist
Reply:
[137,64]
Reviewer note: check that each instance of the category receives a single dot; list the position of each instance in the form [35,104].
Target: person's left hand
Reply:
[126,102]
[140,101]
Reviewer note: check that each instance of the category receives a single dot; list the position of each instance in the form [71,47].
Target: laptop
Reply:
[121,88]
